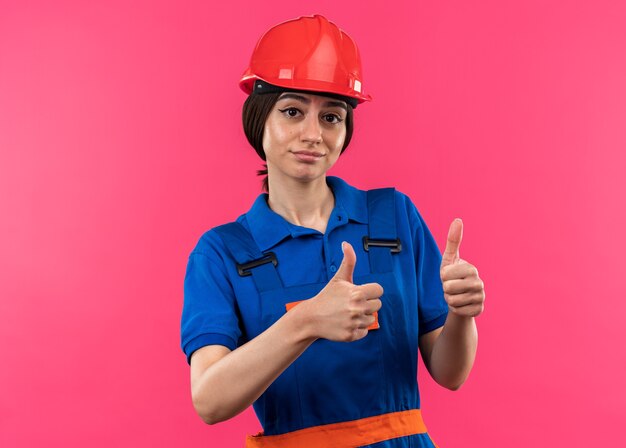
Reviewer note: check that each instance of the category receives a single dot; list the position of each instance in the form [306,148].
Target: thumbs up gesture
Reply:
[463,290]
[342,311]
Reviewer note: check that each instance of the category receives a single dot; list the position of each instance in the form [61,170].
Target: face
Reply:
[303,135]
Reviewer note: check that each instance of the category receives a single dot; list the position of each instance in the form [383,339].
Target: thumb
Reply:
[455,235]
[346,269]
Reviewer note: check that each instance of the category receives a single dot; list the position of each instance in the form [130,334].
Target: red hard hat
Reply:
[307,53]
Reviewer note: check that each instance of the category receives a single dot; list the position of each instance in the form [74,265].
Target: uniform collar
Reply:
[353,200]
[268,228]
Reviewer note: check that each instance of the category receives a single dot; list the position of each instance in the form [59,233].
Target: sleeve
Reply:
[209,311]
[432,307]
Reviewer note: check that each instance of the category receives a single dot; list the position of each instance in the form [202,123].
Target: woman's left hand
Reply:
[463,290]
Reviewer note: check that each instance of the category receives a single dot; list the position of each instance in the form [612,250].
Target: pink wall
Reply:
[120,143]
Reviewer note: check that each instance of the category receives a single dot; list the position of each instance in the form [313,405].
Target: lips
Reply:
[308,156]
[309,153]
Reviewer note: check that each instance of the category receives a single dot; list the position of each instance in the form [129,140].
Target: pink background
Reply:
[121,142]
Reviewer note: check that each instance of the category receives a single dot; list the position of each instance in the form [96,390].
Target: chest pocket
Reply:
[334,381]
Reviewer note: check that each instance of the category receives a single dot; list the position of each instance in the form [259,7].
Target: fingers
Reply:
[346,269]
[465,299]
[362,327]
[464,291]
[472,309]
[368,291]
[461,286]
[373,305]
[359,333]
[460,270]
[366,320]
[455,235]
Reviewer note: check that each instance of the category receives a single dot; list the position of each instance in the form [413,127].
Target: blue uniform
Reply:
[331,381]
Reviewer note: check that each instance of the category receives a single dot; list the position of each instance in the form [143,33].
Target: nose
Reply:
[311,131]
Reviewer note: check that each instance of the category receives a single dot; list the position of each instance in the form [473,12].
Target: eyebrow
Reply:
[306,100]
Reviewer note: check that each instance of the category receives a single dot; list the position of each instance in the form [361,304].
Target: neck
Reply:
[306,204]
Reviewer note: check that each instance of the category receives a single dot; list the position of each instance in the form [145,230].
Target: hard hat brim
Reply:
[247,85]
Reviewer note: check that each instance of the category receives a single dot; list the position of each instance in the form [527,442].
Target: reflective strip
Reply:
[374,326]
[354,433]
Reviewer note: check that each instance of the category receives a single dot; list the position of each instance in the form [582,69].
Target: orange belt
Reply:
[354,433]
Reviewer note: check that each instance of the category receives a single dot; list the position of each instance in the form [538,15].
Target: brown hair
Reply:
[256,109]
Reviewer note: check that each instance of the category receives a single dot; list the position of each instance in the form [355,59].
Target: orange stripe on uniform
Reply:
[354,433]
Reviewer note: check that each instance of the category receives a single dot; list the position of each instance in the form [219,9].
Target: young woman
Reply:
[313,304]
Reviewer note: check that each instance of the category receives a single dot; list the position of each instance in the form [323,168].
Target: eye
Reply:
[332,118]
[291,112]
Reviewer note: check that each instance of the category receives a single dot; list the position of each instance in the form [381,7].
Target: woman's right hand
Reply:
[342,311]
[222,386]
